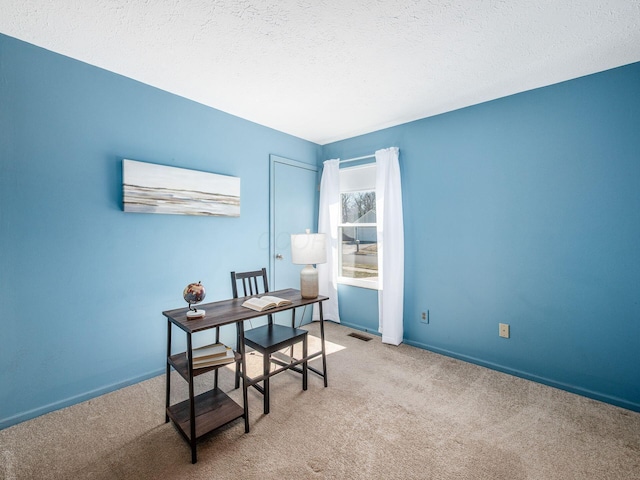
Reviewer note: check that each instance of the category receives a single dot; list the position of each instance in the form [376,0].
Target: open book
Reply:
[267,302]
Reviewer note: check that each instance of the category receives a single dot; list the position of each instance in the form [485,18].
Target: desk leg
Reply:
[215,374]
[304,364]
[293,325]
[266,367]
[243,361]
[239,342]
[324,354]
[168,375]
[192,403]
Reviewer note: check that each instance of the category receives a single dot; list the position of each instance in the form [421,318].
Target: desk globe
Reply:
[194,293]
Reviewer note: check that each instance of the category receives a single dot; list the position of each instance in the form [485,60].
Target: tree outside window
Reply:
[358,246]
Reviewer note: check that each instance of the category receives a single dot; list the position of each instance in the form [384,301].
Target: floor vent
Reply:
[359,336]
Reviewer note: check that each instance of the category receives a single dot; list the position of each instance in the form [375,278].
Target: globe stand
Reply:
[195,313]
[192,294]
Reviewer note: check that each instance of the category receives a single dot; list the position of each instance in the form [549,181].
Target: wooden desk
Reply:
[201,414]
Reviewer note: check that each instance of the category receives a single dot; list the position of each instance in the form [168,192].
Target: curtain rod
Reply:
[357,158]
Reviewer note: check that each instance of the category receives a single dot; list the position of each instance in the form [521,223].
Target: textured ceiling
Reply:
[325,70]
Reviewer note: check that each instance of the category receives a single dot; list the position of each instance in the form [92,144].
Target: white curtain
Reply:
[390,245]
[328,218]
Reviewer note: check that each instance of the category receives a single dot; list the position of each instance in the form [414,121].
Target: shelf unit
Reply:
[199,414]
[213,408]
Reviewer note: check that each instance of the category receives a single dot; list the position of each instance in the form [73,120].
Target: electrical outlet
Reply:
[424,317]
[504,330]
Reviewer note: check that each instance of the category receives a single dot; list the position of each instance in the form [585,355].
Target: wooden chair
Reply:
[269,338]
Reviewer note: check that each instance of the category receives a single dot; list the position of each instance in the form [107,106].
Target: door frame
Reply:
[273,160]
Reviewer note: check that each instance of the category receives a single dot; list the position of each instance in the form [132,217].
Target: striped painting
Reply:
[150,188]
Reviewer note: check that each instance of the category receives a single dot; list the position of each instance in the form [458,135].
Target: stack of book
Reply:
[212,355]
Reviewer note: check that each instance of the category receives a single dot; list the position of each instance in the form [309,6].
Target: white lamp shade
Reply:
[308,248]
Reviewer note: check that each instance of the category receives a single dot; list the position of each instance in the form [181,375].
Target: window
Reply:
[357,232]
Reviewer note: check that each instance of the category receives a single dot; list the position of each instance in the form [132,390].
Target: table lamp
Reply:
[308,249]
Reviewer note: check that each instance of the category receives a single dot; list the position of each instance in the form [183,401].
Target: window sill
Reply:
[359,282]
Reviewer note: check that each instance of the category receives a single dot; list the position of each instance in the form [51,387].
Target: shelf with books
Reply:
[179,363]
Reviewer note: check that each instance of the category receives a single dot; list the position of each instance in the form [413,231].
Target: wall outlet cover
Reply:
[504,330]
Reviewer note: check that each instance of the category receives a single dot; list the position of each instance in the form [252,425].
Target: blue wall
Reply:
[358,308]
[83,284]
[526,210]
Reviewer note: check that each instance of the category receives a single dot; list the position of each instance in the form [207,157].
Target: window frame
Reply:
[372,283]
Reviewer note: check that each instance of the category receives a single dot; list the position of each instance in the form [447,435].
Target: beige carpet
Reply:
[388,413]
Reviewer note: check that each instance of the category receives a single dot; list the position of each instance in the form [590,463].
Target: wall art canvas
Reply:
[151,188]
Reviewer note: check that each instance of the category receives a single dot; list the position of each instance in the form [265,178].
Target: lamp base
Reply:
[196,314]
[309,282]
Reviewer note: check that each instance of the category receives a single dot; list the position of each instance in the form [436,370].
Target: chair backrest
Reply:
[249,282]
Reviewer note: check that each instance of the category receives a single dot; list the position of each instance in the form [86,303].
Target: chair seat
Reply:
[273,337]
